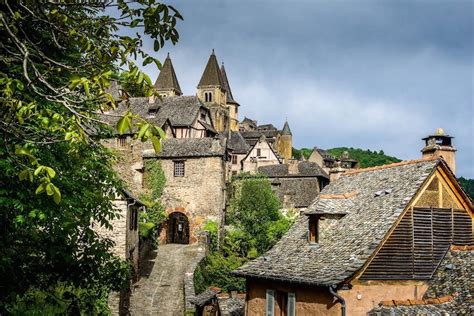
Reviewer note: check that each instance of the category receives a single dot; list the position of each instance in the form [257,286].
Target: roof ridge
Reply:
[425,301]
[392,165]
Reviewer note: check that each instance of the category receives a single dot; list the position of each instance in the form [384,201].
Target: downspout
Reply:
[339,298]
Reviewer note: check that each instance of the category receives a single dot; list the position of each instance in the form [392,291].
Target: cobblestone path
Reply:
[160,290]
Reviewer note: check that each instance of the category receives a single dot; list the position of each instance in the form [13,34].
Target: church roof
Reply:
[212,75]
[286,129]
[167,79]
[230,97]
[345,246]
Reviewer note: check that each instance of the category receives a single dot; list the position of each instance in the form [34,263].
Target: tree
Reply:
[57,59]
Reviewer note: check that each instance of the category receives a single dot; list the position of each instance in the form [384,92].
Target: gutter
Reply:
[339,298]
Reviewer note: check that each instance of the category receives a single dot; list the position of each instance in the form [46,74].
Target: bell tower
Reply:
[167,84]
[286,142]
[440,145]
[232,105]
[211,91]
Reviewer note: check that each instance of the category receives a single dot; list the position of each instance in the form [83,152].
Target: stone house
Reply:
[333,166]
[374,235]
[238,150]
[296,183]
[195,190]
[261,153]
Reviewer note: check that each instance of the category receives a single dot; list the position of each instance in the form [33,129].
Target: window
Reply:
[234,159]
[291,305]
[122,141]
[208,96]
[270,303]
[203,116]
[133,220]
[259,152]
[179,168]
[313,223]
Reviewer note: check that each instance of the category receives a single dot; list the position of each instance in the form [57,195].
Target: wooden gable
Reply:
[440,215]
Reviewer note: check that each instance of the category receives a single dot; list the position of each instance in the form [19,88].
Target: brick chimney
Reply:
[440,145]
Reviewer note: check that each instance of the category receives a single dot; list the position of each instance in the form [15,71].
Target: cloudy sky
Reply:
[369,74]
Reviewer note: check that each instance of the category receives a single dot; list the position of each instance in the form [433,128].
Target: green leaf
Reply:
[124,124]
[50,172]
[23,175]
[156,45]
[56,195]
[40,189]
[49,189]
[143,130]
[156,143]
[38,170]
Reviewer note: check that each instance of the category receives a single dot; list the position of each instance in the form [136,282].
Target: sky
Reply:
[376,75]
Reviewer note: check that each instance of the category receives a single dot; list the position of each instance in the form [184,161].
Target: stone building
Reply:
[297,183]
[375,235]
[334,166]
[195,190]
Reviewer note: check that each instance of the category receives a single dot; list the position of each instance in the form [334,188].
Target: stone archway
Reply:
[178,228]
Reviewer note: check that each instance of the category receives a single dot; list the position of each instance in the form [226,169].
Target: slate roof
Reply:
[180,110]
[267,127]
[189,147]
[238,144]
[212,75]
[449,291]
[230,97]
[205,297]
[167,79]
[252,137]
[286,129]
[232,306]
[322,205]
[352,239]
[304,168]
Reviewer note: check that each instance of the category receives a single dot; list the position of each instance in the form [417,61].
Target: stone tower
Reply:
[232,105]
[440,145]
[286,142]
[167,83]
[211,91]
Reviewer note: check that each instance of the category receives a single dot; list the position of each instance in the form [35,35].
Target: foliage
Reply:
[256,224]
[366,158]
[211,227]
[56,63]
[297,153]
[60,299]
[149,221]
[468,186]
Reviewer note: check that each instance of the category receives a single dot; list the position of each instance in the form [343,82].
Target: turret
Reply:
[440,145]
[167,83]
[286,142]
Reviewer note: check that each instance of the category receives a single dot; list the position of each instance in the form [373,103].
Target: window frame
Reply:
[177,173]
[291,304]
[270,297]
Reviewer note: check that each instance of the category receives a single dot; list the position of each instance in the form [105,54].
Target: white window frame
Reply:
[178,171]
[270,303]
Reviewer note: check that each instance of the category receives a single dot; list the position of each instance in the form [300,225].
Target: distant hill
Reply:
[367,158]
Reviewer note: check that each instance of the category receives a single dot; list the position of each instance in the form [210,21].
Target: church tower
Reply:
[232,105]
[211,91]
[286,142]
[440,145]
[167,83]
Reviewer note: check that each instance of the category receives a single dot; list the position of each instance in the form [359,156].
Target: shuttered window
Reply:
[419,242]
[270,303]
[291,307]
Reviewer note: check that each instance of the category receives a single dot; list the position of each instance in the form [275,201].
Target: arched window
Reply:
[210,96]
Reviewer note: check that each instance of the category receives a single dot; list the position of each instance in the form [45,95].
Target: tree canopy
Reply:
[57,61]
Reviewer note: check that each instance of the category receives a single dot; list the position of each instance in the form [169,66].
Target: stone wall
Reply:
[200,194]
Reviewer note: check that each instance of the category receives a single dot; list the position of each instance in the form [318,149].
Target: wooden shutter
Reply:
[419,242]
[291,307]
[270,303]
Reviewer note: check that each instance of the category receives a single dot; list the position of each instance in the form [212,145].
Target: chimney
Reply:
[440,145]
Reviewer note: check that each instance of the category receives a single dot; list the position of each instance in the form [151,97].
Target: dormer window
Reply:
[208,96]
[313,229]
[152,113]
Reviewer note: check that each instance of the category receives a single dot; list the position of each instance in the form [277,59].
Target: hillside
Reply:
[367,158]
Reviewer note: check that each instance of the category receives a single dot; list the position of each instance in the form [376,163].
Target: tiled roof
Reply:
[205,297]
[304,169]
[238,144]
[181,110]
[266,127]
[212,76]
[449,291]
[230,97]
[286,129]
[167,79]
[189,147]
[347,243]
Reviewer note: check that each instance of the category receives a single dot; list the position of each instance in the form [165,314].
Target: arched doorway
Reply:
[178,228]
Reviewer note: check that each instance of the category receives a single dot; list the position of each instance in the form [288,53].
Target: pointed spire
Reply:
[230,97]
[286,129]
[212,76]
[167,79]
